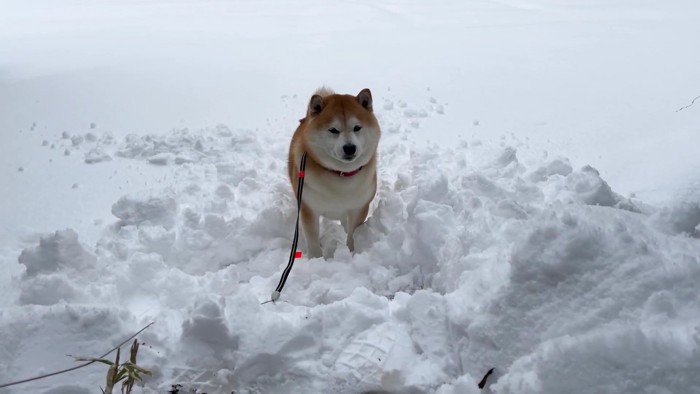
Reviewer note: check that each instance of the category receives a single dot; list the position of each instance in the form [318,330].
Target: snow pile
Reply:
[54,252]
[476,256]
[49,266]
[135,211]
[681,218]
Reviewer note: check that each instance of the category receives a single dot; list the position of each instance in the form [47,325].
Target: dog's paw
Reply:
[351,244]
[315,251]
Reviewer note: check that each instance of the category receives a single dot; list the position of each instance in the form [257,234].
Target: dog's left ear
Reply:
[365,99]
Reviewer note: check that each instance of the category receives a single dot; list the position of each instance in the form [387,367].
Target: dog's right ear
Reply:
[315,105]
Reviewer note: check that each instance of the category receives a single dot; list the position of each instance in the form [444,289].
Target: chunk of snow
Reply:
[133,210]
[96,155]
[54,252]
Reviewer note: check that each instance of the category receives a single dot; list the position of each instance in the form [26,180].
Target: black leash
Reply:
[293,254]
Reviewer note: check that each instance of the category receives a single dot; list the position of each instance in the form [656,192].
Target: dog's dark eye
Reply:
[357,128]
[334,130]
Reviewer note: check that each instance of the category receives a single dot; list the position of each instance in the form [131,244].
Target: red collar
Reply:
[345,174]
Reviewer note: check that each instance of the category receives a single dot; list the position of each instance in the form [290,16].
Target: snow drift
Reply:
[475,256]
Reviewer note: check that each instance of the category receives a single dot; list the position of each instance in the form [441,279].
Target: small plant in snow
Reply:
[128,372]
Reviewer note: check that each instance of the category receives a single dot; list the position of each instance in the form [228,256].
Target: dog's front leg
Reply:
[354,220]
[309,224]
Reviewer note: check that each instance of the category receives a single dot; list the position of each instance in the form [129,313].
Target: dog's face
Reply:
[342,133]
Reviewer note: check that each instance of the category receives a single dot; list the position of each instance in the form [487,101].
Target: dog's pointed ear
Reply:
[315,105]
[365,99]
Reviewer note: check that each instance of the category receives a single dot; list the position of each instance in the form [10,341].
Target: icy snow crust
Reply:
[476,256]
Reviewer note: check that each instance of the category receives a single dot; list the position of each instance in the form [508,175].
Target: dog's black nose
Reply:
[349,149]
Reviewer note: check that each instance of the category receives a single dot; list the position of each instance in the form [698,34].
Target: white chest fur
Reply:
[332,196]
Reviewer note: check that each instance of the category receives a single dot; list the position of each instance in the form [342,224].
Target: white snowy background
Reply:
[538,208]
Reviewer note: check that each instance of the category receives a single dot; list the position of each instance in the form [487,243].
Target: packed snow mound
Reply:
[54,252]
[681,218]
[136,211]
[476,256]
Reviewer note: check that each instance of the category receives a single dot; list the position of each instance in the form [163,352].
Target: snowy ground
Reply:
[538,209]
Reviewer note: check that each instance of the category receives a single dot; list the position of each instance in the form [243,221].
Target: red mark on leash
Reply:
[301,174]
[297,255]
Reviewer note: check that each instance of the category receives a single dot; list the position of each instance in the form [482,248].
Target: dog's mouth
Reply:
[349,158]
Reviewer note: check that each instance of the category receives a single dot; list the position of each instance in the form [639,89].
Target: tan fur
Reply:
[325,192]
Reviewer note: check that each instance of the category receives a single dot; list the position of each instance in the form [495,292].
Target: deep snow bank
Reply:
[476,256]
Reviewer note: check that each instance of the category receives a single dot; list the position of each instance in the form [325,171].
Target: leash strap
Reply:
[293,254]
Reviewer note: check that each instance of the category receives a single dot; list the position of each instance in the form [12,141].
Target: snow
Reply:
[538,209]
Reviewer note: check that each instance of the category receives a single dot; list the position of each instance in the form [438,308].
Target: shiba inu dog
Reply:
[339,135]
